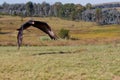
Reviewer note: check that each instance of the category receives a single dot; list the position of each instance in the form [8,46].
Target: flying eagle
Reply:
[38,24]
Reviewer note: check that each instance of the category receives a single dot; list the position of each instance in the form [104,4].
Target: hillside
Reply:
[80,32]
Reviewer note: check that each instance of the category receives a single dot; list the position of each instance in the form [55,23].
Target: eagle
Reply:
[43,26]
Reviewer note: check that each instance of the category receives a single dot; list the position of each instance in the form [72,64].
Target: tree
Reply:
[67,11]
[46,8]
[56,8]
[88,6]
[1,7]
[5,5]
[78,11]
[98,15]
[29,8]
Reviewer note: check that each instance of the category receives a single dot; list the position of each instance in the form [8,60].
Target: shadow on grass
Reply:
[5,32]
[45,53]
[60,52]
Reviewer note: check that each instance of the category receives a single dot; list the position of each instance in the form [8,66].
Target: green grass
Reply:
[101,32]
[85,62]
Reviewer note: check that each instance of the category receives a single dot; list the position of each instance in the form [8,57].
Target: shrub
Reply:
[44,38]
[64,33]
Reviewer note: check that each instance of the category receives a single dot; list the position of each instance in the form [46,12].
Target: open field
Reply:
[85,62]
[83,32]
[92,53]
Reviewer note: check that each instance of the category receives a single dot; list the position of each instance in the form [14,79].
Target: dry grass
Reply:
[85,62]
[78,61]
[83,32]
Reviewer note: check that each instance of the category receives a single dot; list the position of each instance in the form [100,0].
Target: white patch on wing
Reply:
[51,33]
[33,22]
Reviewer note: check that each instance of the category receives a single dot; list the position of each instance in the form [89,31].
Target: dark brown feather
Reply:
[40,25]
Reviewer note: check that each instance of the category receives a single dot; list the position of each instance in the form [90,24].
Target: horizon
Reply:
[82,2]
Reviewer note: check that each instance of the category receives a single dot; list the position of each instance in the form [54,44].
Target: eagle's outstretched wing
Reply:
[40,25]
[19,38]
[20,33]
[45,28]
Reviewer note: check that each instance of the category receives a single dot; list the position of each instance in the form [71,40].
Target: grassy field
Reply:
[85,62]
[83,32]
[92,53]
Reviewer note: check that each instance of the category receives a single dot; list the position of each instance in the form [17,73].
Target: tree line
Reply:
[69,11]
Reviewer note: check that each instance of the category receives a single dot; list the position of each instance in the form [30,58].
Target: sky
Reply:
[83,2]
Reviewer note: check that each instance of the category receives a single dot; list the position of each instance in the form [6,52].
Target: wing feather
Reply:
[20,33]
[45,28]
[40,25]
[19,38]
